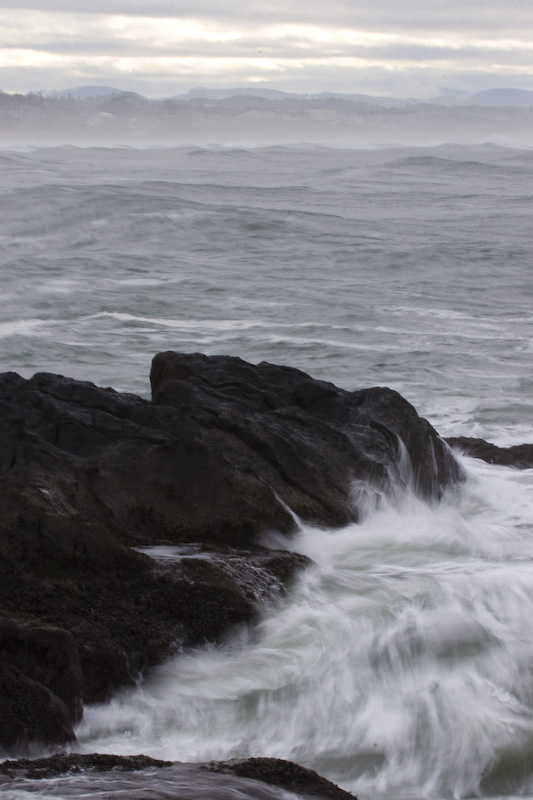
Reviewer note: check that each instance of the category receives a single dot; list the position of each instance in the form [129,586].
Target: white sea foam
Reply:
[21,327]
[215,324]
[400,662]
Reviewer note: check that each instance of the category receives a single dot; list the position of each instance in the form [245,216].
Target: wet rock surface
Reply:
[30,711]
[164,779]
[225,453]
[63,763]
[285,774]
[322,450]
[519,455]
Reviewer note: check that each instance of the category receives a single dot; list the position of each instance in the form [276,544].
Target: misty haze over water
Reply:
[100,116]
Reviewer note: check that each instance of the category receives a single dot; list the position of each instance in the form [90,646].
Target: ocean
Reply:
[402,663]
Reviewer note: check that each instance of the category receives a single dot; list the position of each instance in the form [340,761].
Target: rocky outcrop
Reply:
[63,764]
[224,453]
[285,774]
[120,620]
[291,441]
[244,778]
[519,455]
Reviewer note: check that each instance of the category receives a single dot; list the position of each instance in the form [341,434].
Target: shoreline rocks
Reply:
[519,455]
[223,454]
[245,778]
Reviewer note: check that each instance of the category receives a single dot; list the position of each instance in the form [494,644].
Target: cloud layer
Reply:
[374,47]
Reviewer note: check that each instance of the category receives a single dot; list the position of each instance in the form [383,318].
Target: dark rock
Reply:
[124,621]
[47,655]
[30,712]
[61,764]
[321,450]
[286,774]
[224,453]
[250,775]
[519,455]
[83,624]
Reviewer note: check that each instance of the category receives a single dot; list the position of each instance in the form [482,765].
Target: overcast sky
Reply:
[388,47]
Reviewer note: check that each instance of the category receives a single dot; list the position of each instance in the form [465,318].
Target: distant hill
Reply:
[368,99]
[523,98]
[493,98]
[517,98]
[79,116]
[276,94]
[509,97]
[223,94]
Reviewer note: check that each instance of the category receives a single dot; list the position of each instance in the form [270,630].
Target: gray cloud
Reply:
[476,16]
[375,46]
[292,50]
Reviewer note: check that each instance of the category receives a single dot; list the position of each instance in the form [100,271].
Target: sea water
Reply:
[401,663]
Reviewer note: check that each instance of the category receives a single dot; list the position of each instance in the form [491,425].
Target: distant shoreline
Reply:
[248,120]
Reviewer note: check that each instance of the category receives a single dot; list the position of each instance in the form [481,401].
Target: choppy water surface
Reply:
[404,267]
[402,664]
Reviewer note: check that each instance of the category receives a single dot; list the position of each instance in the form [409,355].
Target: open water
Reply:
[401,665]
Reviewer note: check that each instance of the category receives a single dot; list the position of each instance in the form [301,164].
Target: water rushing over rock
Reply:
[225,453]
[122,776]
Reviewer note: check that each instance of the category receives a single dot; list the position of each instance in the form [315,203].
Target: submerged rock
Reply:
[225,452]
[519,455]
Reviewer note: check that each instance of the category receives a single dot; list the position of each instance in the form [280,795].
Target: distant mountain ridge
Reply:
[503,97]
[497,97]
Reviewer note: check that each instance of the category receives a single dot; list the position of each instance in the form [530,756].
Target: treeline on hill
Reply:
[130,115]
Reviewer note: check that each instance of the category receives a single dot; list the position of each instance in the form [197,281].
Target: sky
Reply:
[164,47]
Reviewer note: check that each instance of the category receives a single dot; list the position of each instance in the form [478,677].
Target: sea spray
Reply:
[401,662]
